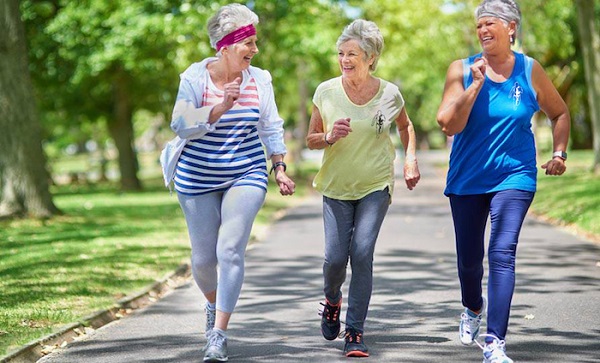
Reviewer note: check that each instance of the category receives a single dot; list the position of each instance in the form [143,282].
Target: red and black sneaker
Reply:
[330,319]
[355,345]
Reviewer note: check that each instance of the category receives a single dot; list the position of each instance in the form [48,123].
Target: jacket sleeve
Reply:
[190,120]
[270,126]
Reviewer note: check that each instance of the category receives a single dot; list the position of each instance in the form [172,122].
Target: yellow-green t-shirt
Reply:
[362,162]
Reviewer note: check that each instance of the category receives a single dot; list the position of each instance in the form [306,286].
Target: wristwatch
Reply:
[560,154]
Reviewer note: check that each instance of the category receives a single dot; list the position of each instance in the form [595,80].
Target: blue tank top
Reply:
[496,149]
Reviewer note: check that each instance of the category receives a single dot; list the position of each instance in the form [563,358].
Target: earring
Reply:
[512,39]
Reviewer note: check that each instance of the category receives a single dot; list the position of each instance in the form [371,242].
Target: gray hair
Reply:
[368,36]
[227,19]
[505,10]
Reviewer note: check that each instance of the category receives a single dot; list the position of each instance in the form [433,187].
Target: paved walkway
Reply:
[415,305]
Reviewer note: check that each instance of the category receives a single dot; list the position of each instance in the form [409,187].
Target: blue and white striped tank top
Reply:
[232,154]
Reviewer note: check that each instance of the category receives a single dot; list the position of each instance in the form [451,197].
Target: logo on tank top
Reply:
[515,93]
[378,121]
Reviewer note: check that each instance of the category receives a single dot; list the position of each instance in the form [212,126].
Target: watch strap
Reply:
[560,154]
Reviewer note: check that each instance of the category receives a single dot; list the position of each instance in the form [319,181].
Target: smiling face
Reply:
[494,34]
[239,55]
[353,60]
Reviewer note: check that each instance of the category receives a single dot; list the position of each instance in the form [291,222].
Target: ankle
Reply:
[337,304]
[221,332]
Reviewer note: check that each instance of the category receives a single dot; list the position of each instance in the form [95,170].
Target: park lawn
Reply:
[106,246]
[572,199]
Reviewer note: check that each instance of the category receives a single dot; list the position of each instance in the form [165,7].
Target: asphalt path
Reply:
[414,310]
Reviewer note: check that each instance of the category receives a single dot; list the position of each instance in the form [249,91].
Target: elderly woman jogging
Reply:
[225,113]
[351,119]
[488,102]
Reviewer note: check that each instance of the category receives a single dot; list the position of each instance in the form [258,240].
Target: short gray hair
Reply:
[368,36]
[227,19]
[506,10]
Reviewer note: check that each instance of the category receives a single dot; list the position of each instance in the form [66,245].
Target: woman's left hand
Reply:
[411,174]
[286,185]
[555,166]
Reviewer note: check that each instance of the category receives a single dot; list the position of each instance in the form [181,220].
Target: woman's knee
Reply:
[335,264]
[474,269]
[202,265]
[231,257]
[502,259]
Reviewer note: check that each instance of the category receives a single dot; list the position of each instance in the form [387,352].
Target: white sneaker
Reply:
[470,324]
[216,350]
[495,351]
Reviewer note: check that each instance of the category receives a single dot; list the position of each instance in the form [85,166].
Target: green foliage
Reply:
[421,39]
[96,38]
[540,16]
[297,44]
[78,47]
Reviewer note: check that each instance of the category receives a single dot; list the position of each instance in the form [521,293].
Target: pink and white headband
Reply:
[236,36]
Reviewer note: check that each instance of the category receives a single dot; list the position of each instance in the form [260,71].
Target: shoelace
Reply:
[211,317]
[471,320]
[215,339]
[353,335]
[330,310]
[497,347]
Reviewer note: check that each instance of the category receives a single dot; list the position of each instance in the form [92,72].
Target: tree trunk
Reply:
[121,130]
[24,179]
[590,45]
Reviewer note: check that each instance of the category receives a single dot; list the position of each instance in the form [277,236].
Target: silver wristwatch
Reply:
[560,154]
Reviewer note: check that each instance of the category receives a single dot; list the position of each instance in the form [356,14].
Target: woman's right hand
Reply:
[231,92]
[341,128]
[478,70]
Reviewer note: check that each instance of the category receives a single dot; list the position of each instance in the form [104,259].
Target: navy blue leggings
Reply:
[507,210]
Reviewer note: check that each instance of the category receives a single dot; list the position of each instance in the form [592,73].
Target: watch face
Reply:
[560,154]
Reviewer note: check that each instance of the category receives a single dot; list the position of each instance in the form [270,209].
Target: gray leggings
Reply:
[219,226]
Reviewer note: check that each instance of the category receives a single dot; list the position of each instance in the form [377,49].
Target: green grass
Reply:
[572,199]
[106,246]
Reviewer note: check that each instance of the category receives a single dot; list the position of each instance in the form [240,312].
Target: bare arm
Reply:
[409,141]
[457,102]
[552,104]
[317,138]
